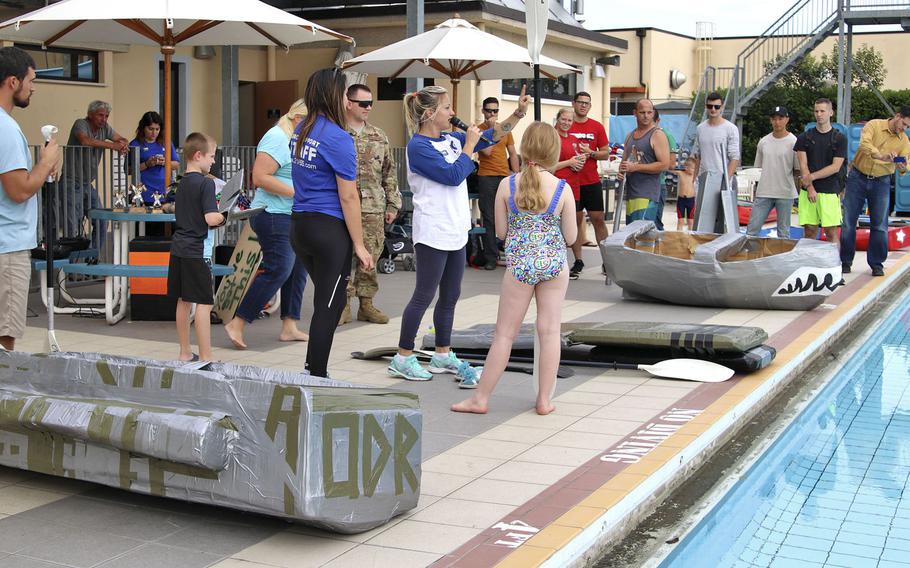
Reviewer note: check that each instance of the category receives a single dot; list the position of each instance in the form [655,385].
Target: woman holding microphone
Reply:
[438,165]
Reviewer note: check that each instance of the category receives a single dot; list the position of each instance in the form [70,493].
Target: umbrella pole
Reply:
[455,95]
[537,110]
[167,51]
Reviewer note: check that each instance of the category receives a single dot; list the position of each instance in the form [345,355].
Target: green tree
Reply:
[867,59]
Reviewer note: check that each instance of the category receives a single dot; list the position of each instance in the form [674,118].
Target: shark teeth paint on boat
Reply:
[810,281]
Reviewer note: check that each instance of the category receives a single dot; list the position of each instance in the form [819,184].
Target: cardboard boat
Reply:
[729,271]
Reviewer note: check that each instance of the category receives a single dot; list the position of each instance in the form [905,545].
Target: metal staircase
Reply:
[783,45]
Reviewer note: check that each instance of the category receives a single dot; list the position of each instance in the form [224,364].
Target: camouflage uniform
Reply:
[377,184]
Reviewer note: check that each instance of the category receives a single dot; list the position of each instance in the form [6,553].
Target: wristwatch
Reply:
[591,155]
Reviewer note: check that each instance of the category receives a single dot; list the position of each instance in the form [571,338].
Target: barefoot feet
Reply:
[544,407]
[293,335]
[234,330]
[470,405]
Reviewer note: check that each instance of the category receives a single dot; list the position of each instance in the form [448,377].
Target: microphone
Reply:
[459,124]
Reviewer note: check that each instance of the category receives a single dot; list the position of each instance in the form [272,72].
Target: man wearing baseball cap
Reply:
[776,188]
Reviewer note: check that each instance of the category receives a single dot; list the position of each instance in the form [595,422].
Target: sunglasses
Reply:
[362,104]
[715,107]
[583,103]
[491,110]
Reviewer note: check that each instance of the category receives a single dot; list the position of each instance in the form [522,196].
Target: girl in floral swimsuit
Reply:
[535,215]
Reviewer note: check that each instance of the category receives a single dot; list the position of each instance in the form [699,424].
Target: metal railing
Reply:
[89,172]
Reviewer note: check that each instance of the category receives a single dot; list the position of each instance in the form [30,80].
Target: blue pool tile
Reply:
[841,547]
[890,564]
[781,562]
[870,509]
[848,561]
[875,541]
[893,555]
[870,519]
[899,544]
[813,543]
[863,529]
[810,532]
[803,554]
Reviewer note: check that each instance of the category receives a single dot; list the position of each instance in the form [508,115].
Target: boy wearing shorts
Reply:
[685,197]
[189,276]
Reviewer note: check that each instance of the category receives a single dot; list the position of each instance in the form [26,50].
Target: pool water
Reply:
[833,489]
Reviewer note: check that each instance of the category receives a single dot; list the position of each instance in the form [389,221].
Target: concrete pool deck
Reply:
[509,488]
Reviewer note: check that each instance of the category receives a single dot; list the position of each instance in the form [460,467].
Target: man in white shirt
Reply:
[776,187]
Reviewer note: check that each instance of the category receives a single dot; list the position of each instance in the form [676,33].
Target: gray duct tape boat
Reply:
[324,452]
[730,271]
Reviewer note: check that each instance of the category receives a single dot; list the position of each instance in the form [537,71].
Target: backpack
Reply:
[842,174]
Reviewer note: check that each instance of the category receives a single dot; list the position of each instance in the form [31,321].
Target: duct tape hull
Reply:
[327,453]
[730,271]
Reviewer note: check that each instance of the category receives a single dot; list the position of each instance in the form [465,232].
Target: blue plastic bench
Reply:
[116,291]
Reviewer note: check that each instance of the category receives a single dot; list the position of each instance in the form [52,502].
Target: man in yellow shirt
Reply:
[494,166]
[883,148]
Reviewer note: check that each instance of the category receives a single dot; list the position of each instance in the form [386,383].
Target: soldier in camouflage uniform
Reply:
[380,200]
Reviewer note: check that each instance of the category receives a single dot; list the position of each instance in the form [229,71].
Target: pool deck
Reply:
[506,489]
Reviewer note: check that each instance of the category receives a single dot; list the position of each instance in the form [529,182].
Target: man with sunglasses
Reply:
[717,141]
[377,183]
[593,145]
[494,166]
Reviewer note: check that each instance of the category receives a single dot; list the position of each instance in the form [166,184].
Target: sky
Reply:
[731,18]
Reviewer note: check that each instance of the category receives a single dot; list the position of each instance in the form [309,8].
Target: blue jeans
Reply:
[761,207]
[281,269]
[80,198]
[875,192]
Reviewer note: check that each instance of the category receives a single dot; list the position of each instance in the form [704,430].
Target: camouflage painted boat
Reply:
[323,452]
[729,271]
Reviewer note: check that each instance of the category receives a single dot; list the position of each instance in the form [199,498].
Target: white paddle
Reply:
[685,369]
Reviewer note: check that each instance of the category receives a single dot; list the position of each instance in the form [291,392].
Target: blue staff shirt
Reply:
[327,152]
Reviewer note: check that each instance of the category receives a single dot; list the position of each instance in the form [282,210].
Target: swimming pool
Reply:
[833,489]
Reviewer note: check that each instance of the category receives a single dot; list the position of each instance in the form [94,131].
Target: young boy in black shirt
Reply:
[189,276]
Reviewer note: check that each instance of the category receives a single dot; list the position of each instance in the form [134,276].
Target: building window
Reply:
[394,90]
[64,64]
[559,89]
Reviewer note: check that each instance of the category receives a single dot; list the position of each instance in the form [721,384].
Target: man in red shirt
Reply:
[593,143]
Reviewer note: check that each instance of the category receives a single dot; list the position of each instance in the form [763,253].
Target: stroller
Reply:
[398,241]
[398,244]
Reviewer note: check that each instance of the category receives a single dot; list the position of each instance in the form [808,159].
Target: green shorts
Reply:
[825,212]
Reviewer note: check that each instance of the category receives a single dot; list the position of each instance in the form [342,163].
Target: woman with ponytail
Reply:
[325,219]
[535,215]
[282,269]
[438,165]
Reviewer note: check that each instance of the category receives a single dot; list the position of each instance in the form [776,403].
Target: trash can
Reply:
[148,296]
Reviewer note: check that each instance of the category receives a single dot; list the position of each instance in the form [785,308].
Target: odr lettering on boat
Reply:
[640,443]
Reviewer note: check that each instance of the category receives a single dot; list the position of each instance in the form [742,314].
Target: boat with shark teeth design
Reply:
[730,270]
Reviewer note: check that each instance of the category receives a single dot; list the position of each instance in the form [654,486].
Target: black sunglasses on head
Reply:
[362,104]
[491,110]
[715,107]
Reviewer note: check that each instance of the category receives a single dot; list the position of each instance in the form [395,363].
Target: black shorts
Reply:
[592,197]
[190,279]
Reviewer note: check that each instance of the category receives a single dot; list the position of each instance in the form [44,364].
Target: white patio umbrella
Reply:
[167,24]
[454,50]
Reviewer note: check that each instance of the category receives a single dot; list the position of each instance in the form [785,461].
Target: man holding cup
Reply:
[883,148]
[19,184]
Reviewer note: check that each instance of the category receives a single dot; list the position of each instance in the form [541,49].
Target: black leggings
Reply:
[436,268]
[323,245]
